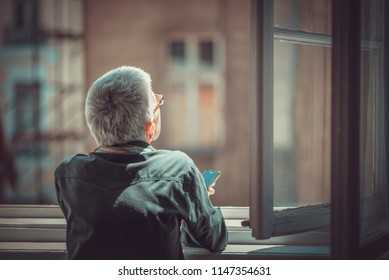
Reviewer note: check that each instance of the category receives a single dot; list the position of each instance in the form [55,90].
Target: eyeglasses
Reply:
[160,101]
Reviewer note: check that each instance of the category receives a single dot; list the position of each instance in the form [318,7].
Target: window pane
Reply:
[374,124]
[26,15]
[372,27]
[177,51]
[206,53]
[208,115]
[193,85]
[307,15]
[175,113]
[27,108]
[301,124]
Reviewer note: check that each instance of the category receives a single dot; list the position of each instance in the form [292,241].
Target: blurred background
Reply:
[197,53]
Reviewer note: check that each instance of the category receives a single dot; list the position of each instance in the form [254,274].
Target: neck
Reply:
[138,143]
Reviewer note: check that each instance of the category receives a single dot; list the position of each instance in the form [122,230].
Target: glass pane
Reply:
[175,113]
[208,115]
[26,113]
[372,20]
[306,15]
[301,124]
[195,110]
[177,51]
[206,53]
[374,124]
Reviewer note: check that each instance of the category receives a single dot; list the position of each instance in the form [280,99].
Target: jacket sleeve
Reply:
[204,225]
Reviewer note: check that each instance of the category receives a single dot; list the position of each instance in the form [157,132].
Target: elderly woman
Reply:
[127,200]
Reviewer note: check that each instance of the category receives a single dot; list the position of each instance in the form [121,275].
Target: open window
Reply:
[291,131]
[319,121]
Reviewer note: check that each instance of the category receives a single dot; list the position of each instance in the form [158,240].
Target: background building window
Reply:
[177,52]
[26,14]
[206,53]
[26,109]
[194,93]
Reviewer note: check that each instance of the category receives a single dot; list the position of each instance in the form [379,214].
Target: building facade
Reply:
[42,66]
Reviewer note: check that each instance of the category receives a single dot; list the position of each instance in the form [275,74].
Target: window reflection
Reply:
[301,124]
[302,104]
[305,15]
[374,124]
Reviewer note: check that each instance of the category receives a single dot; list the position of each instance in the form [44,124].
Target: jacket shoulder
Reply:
[174,162]
[69,163]
[177,157]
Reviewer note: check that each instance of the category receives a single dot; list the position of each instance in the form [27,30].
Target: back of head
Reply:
[118,105]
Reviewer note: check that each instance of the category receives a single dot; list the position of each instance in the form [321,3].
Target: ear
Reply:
[150,130]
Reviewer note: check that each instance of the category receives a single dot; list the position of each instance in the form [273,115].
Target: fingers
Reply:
[211,191]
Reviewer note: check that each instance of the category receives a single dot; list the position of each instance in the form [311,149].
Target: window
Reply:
[25,24]
[177,52]
[28,151]
[302,97]
[373,125]
[328,112]
[294,116]
[195,93]
[206,53]
[26,109]
[26,14]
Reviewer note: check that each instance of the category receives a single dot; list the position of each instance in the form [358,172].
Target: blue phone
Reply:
[210,176]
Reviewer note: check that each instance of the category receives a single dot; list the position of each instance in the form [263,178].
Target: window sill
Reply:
[38,232]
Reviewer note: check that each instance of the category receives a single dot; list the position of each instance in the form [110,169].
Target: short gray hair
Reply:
[118,106]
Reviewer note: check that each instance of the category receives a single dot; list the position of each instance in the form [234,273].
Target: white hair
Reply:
[118,106]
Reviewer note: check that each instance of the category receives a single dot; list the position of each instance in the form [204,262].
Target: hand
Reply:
[211,190]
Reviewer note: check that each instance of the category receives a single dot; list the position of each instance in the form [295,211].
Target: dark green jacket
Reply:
[131,204]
